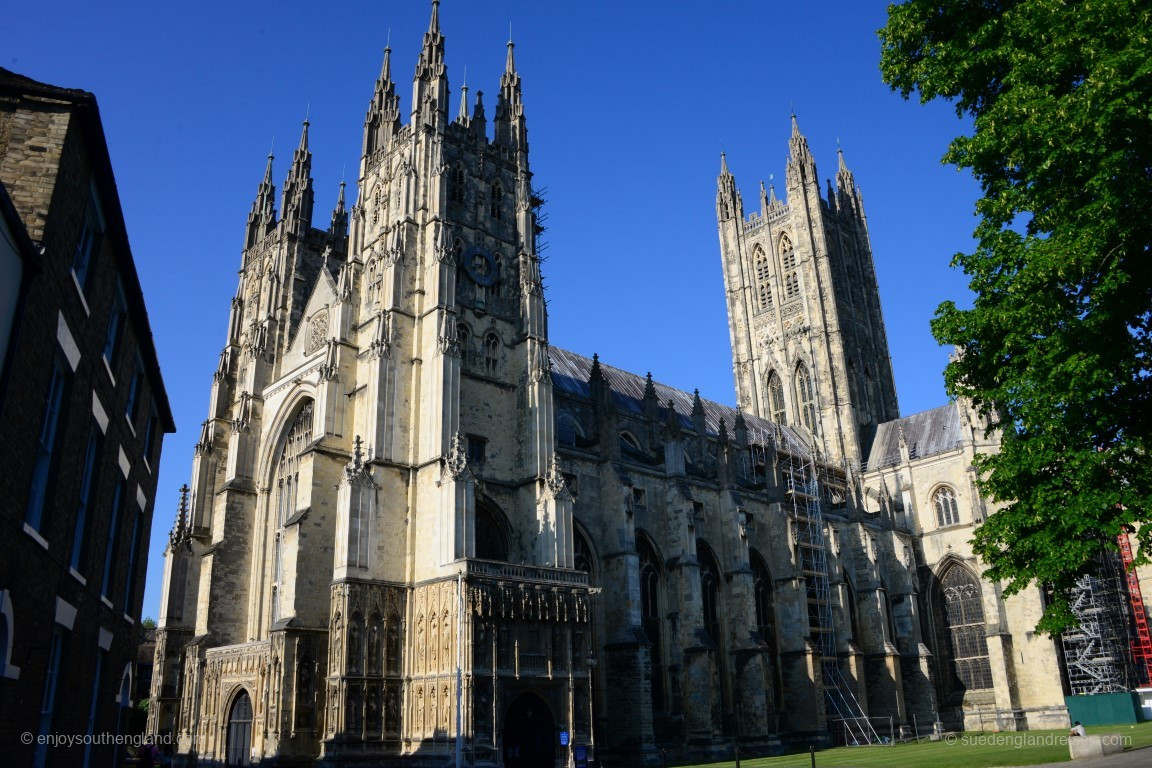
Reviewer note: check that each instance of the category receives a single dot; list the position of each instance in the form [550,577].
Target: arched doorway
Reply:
[240,730]
[529,734]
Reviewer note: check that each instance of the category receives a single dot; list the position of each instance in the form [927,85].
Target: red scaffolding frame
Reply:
[1142,641]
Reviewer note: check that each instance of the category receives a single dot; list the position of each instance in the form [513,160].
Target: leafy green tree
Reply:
[1055,349]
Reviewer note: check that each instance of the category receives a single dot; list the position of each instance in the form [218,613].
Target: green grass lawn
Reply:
[974,749]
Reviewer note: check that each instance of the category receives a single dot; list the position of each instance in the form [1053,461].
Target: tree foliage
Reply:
[1055,349]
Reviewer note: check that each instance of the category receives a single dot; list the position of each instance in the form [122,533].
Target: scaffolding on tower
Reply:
[802,486]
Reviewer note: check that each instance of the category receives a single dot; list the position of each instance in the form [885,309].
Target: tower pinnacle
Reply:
[728,201]
[509,107]
[296,201]
[383,118]
[263,212]
[430,84]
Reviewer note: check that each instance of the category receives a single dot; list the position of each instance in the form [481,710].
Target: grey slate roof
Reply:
[570,373]
[928,433]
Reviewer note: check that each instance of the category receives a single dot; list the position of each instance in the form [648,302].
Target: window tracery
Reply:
[806,396]
[947,513]
[286,490]
[788,267]
[962,623]
[776,399]
[763,272]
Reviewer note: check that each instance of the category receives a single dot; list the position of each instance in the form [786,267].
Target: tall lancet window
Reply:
[457,183]
[806,397]
[789,274]
[285,494]
[776,399]
[710,591]
[763,277]
[497,202]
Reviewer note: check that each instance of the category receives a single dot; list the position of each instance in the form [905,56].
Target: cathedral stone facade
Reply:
[418,533]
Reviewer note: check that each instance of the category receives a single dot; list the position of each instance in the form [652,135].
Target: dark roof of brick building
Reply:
[87,113]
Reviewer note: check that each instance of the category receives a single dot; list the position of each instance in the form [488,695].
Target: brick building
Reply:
[83,413]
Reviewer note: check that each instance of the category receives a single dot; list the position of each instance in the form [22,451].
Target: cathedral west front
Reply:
[418,533]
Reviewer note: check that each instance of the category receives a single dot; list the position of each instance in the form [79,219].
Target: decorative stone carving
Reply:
[456,460]
[243,413]
[317,331]
[382,338]
[448,339]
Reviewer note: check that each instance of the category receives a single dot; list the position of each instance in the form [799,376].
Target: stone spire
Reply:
[740,429]
[729,205]
[263,213]
[698,420]
[339,225]
[848,193]
[383,118]
[462,116]
[651,402]
[296,201]
[801,167]
[430,84]
[181,533]
[509,119]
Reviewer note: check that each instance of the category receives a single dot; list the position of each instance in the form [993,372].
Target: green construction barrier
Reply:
[1104,708]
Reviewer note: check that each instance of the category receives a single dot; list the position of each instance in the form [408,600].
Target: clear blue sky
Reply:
[629,105]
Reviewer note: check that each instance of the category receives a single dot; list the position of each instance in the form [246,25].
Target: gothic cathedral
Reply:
[417,533]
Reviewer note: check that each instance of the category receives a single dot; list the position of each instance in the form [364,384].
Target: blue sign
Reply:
[563,738]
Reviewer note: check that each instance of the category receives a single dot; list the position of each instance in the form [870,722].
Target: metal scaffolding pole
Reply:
[802,485]
[1097,650]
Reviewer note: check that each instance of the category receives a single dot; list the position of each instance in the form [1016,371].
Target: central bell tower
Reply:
[808,343]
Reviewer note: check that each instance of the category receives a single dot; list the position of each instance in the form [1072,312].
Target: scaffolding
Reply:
[1142,639]
[1096,650]
[802,488]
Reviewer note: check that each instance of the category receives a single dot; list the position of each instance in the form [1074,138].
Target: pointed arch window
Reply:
[806,396]
[776,406]
[961,621]
[947,512]
[651,576]
[464,339]
[456,184]
[761,266]
[285,487]
[491,353]
[497,202]
[791,277]
[582,559]
[568,429]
